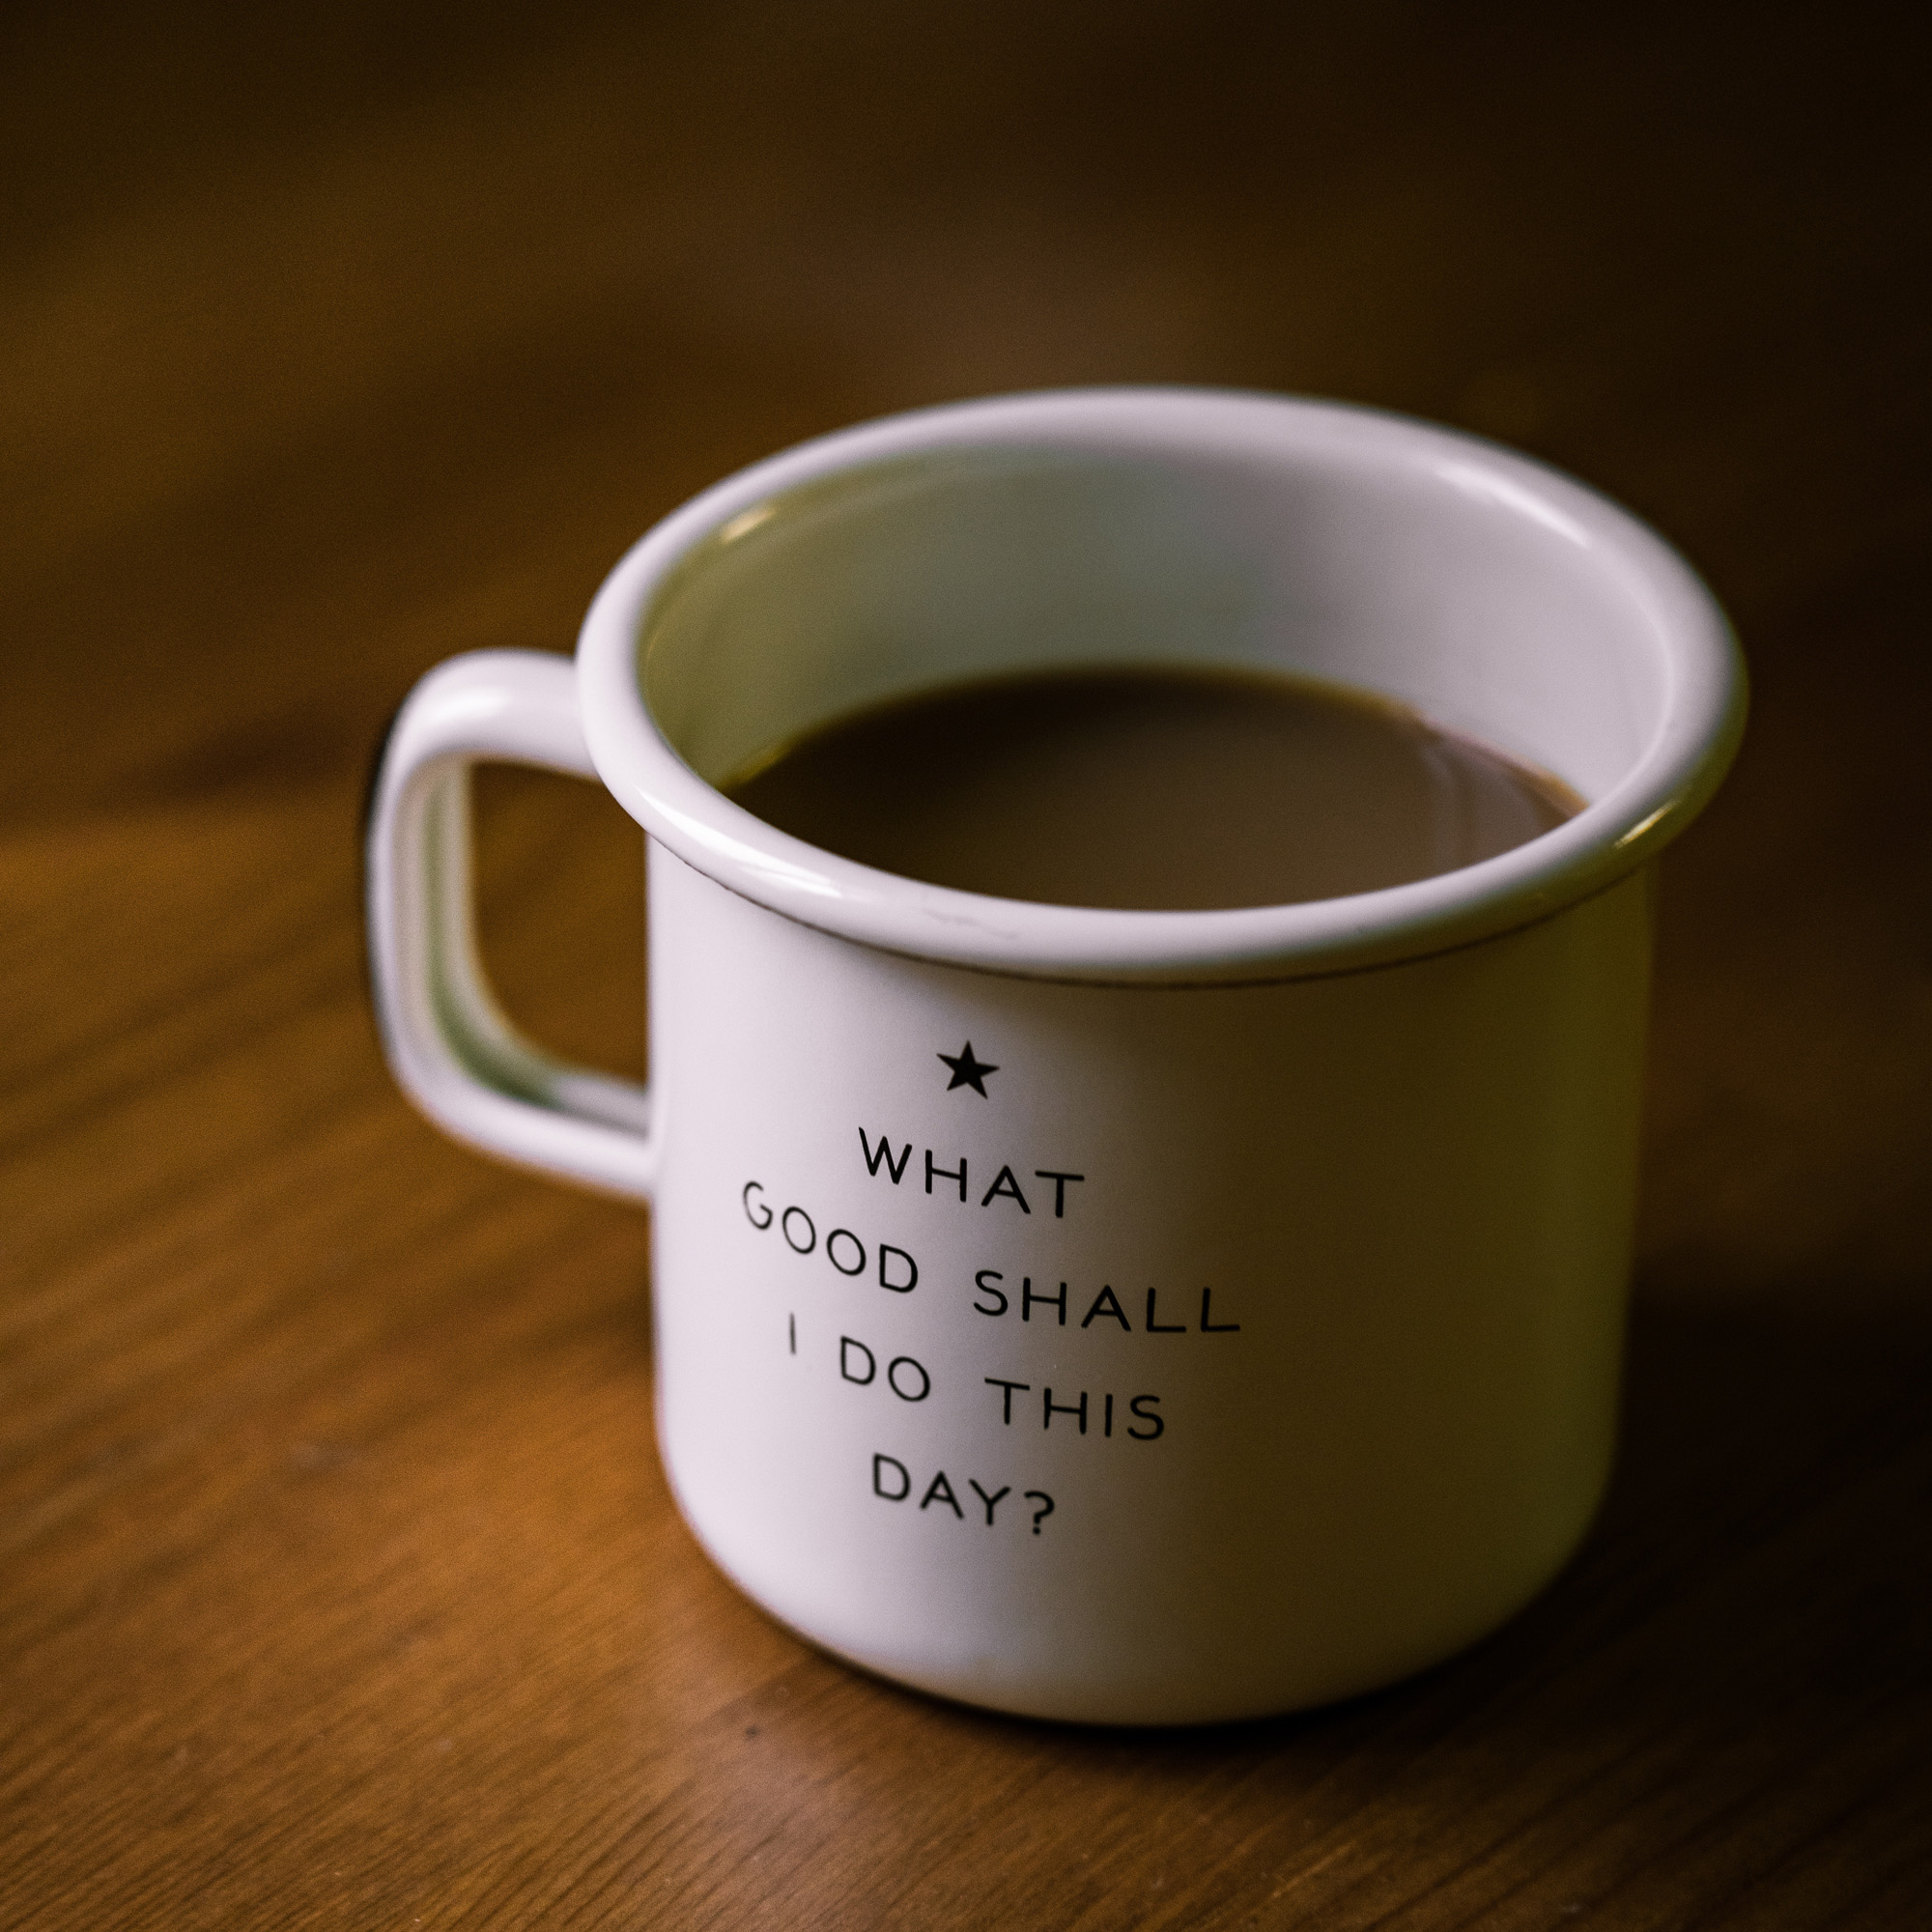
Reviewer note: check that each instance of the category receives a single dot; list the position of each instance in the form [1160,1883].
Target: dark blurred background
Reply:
[336,339]
[337,1576]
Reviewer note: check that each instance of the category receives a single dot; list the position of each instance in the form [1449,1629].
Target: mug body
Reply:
[1226,1349]
[1126,1316]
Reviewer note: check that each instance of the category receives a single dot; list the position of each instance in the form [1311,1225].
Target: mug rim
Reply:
[1656,799]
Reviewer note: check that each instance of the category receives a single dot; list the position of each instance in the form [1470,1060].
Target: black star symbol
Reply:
[967,1071]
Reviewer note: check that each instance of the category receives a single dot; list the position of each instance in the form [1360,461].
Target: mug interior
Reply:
[1440,586]
[1163,527]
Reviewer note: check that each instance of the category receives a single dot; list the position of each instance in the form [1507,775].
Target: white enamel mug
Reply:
[1129,1317]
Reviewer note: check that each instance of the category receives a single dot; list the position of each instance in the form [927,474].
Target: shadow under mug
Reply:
[1242,1328]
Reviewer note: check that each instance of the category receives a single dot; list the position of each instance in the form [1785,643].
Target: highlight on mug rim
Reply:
[1346,473]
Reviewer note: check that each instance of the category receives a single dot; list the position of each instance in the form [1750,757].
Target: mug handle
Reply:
[450,1044]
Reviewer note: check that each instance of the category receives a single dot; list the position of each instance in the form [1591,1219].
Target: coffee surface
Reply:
[1150,790]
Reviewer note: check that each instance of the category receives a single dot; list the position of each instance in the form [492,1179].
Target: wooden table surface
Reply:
[338,1582]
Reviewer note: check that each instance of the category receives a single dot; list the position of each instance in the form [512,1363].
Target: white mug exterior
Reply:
[1313,1364]
[1121,1316]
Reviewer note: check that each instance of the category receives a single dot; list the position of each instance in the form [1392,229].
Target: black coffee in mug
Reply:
[1154,789]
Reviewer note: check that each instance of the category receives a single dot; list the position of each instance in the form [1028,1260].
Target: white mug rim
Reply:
[1703,716]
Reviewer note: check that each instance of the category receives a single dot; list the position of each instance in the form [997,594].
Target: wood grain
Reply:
[338,1582]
